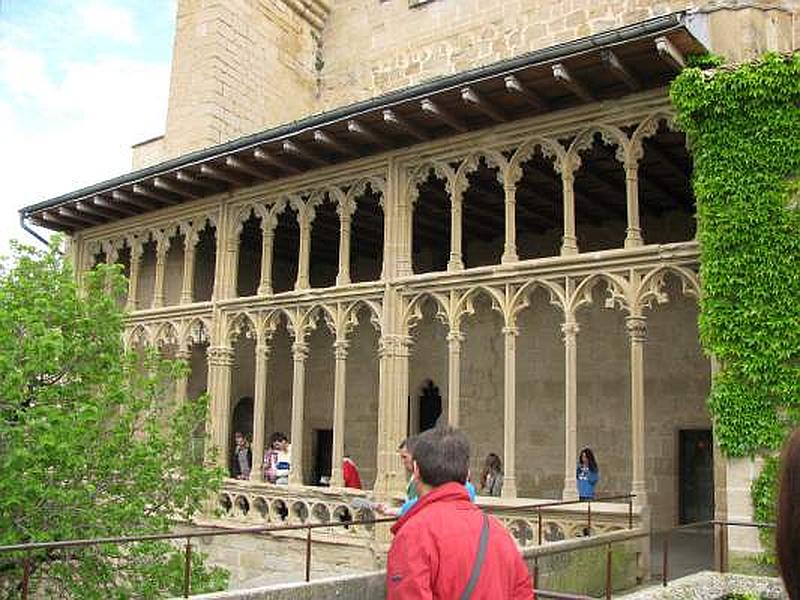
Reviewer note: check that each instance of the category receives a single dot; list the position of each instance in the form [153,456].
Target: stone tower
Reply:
[239,66]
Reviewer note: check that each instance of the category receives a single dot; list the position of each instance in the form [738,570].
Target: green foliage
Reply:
[89,445]
[743,125]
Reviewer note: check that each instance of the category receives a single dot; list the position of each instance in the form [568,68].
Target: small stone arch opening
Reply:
[601,216]
[249,267]
[242,505]
[261,507]
[279,511]
[324,261]
[225,503]
[366,237]
[299,512]
[540,208]
[320,513]
[430,248]
[285,251]
[483,218]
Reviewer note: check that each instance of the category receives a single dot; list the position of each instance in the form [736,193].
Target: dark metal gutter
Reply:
[657,25]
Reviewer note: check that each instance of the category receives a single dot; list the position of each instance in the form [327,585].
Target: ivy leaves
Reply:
[743,124]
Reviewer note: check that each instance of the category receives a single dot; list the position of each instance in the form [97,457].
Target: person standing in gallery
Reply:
[587,474]
[492,476]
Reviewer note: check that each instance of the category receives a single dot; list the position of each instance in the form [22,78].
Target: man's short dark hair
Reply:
[408,444]
[277,437]
[442,456]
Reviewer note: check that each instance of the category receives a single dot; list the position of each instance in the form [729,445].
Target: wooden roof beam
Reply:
[144,204]
[392,118]
[470,96]
[163,183]
[222,175]
[116,206]
[197,183]
[269,158]
[670,54]
[143,190]
[295,148]
[78,216]
[613,64]
[237,164]
[358,128]
[515,86]
[92,209]
[327,139]
[61,220]
[433,109]
[40,222]
[565,78]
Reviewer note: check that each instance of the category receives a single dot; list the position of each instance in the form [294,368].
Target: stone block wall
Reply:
[242,66]
[238,66]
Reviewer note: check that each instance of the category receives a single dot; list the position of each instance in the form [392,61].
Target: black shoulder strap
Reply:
[476,567]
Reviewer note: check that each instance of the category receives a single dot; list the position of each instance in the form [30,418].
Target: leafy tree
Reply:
[89,444]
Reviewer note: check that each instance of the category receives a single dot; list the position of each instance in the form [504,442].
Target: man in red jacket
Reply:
[435,552]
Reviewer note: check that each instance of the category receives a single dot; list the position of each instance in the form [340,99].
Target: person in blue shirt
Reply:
[587,474]
[412,501]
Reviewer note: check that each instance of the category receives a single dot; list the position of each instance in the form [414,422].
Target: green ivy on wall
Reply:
[743,125]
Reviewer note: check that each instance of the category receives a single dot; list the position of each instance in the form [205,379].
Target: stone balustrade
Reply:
[246,503]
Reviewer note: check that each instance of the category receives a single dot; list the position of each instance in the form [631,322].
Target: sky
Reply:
[81,81]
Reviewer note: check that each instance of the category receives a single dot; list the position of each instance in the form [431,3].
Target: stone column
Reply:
[339,403]
[305,219]
[570,330]
[267,243]
[456,262]
[133,278]
[189,247]
[259,408]
[454,339]
[162,247]
[220,369]
[633,235]
[510,248]
[299,355]
[569,243]
[637,331]
[383,458]
[232,274]
[510,412]
[345,211]
[182,382]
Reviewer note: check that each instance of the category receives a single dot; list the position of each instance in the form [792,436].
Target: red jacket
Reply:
[435,546]
[350,474]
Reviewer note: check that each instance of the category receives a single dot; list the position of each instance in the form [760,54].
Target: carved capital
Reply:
[510,330]
[220,356]
[455,337]
[299,351]
[637,328]
[570,329]
[262,351]
[340,349]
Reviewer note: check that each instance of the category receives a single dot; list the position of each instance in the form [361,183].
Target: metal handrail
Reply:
[723,525]
[545,505]
[30,547]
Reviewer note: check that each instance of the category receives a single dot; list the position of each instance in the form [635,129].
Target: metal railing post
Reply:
[665,562]
[535,572]
[608,573]
[722,527]
[539,517]
[187,568]
[26,574]
[308,554]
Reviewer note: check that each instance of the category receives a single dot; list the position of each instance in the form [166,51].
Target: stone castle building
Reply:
[368,216]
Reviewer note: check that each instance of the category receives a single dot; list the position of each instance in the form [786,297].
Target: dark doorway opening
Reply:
[696,468]
[430,406]
[322,449]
